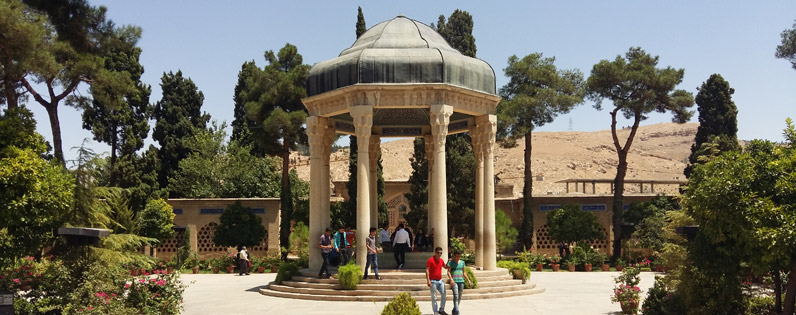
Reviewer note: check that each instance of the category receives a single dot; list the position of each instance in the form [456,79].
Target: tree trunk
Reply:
[114,145]
[527,195]
[12,99]
[55,125]
[619,180]
[286,202]
[790,293]
[777,291]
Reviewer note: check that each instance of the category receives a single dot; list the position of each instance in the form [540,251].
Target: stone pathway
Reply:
[566,293]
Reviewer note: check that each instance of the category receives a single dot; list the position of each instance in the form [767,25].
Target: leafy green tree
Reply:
[35,197]
[156,220]
[18,130]
[636,88]
[570,224]
[275,103]
[301,197]
[717,121]
[361,26]
[299,240]
[122,127]
[787,49]
[178,117]
[238,226]
[458,31]
[61,60]
[217,169]
[242,126]
[505,234]
[418,186]
[743,204]
[536,93]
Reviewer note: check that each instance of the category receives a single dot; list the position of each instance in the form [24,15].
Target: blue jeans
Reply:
[372,261]
[437,285]
[457,296]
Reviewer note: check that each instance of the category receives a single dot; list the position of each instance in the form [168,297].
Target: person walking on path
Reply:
[325,244]
[434,267]
[341,246]
[401,244]
[373,252]
[457,276]
[243,261]
[350,237]
[384,238]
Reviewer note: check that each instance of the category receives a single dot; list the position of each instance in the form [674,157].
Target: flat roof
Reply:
[627,181]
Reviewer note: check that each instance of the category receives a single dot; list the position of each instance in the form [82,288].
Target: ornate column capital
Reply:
[316,130]
[476,138]
[440,116]
[363,122]
[488,126]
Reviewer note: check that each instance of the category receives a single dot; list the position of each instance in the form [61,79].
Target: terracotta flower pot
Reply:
[134,272]
[619,268]
[517,273]
[274,268]
[260,269]
[571,267]
[659,268]
[142,271]
[230,269]
[606,267]
[555,266]
[170,269]
[587,267]
[539,267]
[215,269]
[195,270]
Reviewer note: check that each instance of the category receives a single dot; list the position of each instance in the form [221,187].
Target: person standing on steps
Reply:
[373,252]
[401,244]
[341,245]
[457,277]
[325,244]
[434,267]
[350,236]
[384,238]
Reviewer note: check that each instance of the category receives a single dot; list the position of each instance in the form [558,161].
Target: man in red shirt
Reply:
[434,267]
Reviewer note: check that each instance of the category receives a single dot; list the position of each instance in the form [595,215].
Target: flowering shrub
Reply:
[628,298]
[663,300]
[229,258]
[554,259]
[626,291]
[161,294]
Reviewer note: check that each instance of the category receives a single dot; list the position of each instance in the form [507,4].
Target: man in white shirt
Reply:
[401,244]
[384,238]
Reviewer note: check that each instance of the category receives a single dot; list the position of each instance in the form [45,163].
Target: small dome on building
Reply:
[401,50]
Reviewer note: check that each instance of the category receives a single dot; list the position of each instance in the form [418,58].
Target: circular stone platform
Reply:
[491,284]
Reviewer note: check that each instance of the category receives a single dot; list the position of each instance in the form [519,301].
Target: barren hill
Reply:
[658,152]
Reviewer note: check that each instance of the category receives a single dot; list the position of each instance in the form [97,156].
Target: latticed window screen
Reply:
[544,241]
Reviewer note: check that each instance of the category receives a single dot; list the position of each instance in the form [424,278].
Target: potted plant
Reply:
[229,260]
[539,260]
[192,263]
[572,262]
[554,262]
[588,258]
[620,264]
[658,265]
[259,264]
[171,264]
[600,258]
[215,264]
[518,270]
[272,261]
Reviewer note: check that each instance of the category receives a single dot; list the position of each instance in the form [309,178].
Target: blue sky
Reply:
[209,40]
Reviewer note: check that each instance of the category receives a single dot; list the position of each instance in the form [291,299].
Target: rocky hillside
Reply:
[658,152]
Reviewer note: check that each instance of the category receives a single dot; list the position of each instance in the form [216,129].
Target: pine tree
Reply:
[717,121]
[178,117]
[241,125]
[361,26]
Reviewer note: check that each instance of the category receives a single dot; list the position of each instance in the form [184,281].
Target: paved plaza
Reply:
[566,293]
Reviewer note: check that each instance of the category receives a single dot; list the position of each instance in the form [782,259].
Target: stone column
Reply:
[475,136]
[440,117]
[316,129]
[325,178]
[490,250]
[429,144]
[375,146]
[363,121]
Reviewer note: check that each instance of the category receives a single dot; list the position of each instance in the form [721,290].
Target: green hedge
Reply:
[473,280]
[349,276]
[402,304]
[286,271]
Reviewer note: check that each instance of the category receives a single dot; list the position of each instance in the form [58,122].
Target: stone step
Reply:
[481,282]
[366,298]
[391,286]
[410,274]
[288,286]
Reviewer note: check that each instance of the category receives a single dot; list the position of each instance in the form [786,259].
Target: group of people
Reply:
[400,242]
